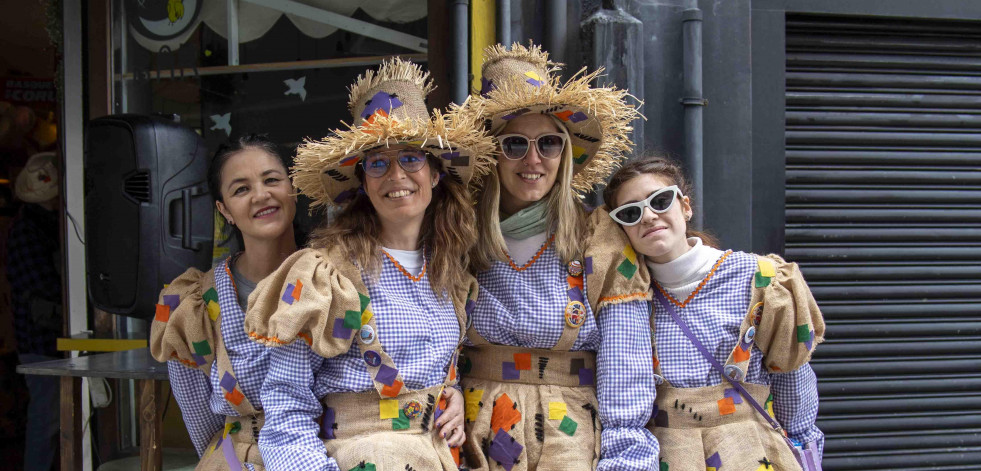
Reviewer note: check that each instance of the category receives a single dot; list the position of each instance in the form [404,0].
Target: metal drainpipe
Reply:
[504,22]
[693,103]
[555,29]
[460,64]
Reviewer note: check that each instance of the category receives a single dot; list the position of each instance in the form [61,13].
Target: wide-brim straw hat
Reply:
[522,80]
[389,108]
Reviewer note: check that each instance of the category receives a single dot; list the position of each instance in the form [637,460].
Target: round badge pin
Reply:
[367,334]
[734,372]
[575,268]
[413,409]
[750,335]
[372,358]
[757,311]
[575,314]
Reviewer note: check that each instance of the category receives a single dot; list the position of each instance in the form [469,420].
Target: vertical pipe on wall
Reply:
[232,32]
[555,29]
[504,22]
[461,47]
[693,102]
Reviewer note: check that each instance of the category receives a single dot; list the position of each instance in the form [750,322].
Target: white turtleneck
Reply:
[411,260]
[682,275]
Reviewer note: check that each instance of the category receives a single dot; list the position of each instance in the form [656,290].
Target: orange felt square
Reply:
[656,363]
[739,355]
[393,390]
[455,451]
[235,397]
[522,361]
[726,406]
[297,289]
[452,372]
[162,313]
[574,281]
[505,414]
[564,115]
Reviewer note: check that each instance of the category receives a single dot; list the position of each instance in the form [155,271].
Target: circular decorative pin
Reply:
[413,409]
[575,268]
[575,314]
[757,313]
[750,334]
[658,379]
[367,334]
[372,358]
[734,372]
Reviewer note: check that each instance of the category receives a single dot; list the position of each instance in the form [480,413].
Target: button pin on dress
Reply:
[734,372]
[750,335]
[658,379]
[367,334]
[575,314]
[372,358]
[575,268]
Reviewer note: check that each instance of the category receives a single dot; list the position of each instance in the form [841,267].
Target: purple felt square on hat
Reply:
[198,359]
[381,101]
[449,155]
[172,300]
[810,342]
[508,370]
[288,293]
[345,195]
[578,116]
[588,266]
[714,461]
[486,86]
[536,83]
[586,376]
[515,114]
[341,332]
[228,382]
[575,294]
[504,449]
[386,375]
[732,393]
[327,424]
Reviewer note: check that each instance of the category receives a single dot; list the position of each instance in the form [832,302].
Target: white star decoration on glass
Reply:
[222,122]
[296,87]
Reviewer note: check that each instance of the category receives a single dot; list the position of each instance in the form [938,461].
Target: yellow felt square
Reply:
[366,316]
[628,252]
[766,268]
[388,409]
[471,398]
[556,410]
[213,310]
[228,427]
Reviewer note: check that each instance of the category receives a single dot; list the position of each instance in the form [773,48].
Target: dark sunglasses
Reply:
[515,146]
[660,202]
[376,164]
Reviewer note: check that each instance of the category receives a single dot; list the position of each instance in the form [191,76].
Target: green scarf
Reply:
[527,222]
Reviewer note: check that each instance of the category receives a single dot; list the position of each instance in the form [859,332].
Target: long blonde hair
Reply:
[448,234]
[565,213]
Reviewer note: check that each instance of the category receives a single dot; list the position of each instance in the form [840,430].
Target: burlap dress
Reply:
[198,321]
[376,405]
[531,372]
[771,321]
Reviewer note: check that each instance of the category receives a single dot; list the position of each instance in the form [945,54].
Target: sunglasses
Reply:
[515,146]
[376,164]
[660,202]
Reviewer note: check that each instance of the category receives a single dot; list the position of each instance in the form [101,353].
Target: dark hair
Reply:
[228,149]
[664,168]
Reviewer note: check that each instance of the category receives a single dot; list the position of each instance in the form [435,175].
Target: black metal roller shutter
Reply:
[883,136]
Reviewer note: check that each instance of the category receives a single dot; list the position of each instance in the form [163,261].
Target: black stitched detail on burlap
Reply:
[540,427]
[542,362]
[429,412]
[592,412]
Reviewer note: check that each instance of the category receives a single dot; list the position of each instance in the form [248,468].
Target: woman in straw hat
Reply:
[198,323]
[561,322]
[367,322]
[755,315]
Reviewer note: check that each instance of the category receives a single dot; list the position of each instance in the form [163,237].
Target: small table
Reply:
[130,364]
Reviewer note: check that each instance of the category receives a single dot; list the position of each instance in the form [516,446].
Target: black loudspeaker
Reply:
[148,214]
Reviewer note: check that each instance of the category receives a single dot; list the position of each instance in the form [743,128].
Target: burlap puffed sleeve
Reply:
[789,324]
[614,274]
[183,327]
[315,295]
[464,302]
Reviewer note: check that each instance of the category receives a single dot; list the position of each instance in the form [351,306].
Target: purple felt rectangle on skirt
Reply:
[508,370]
[504,449]
[327,424]
[736,398]
[340,332]
[586,376]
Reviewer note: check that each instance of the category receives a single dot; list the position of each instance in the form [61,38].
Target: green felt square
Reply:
[401,423]
[568,426]
[762,281]
[236,427]
[210,295]
[664,466]
[202,348]
[352,319]
[364,301]
[364,467]
[581,159]
[627,269]
[803,333]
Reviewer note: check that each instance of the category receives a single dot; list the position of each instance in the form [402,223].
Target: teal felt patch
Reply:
[202,348]
[762,281]
[803,333]
[627,269]
[364,301]
[352,319]
[401,423]
[568,426]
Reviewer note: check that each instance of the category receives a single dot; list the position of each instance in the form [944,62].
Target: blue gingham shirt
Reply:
[526,309]
[715,315]
[419,332]
[201,399]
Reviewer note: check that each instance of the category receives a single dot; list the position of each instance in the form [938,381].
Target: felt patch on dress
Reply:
[340,330]
[734,395]
[472,404]
[388,409]
[386,375]
[364,466]
[401,422]
[505,450]
[587,377]
[392,390]
[509,370]
[522,361]
[162,313]
[739,354]
[726,406]
[557,410]
[713,462]
[505,414]
[568,426]
[214,310]
[288,293]
[235,397]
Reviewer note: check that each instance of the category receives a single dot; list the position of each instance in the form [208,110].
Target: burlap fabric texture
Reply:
[243,435]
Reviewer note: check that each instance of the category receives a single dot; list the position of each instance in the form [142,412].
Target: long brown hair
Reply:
[661,167]
[448,233]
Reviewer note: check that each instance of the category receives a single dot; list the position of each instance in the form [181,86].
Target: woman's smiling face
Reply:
[400,196]
[256,194]
[527,180]
[660,237]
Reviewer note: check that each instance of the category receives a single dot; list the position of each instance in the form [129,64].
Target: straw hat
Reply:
[389,107]
[522,80]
